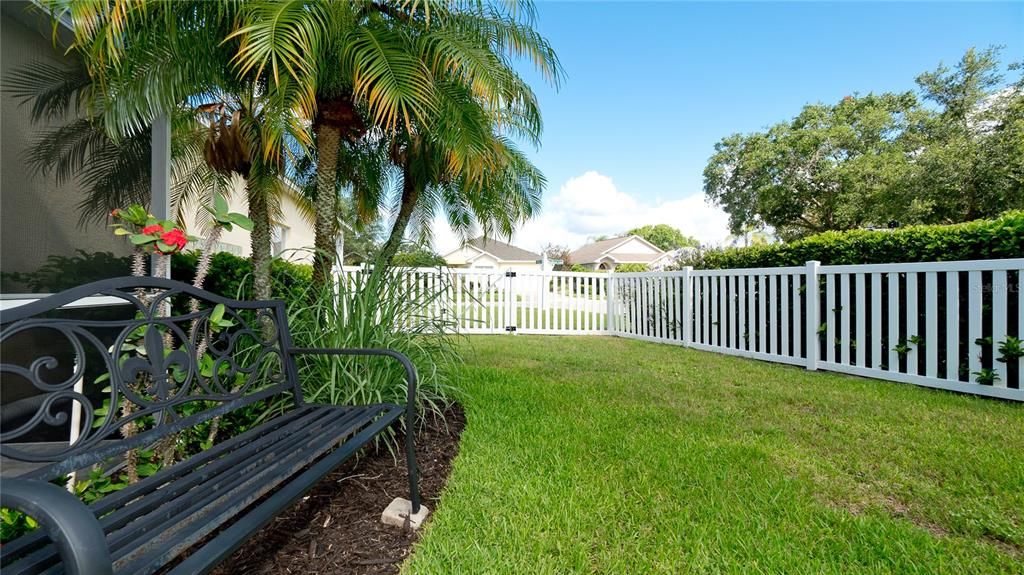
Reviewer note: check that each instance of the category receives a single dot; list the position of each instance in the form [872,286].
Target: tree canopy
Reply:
[664,236]
[950,153]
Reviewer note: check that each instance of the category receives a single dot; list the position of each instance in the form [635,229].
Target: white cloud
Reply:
[591,205]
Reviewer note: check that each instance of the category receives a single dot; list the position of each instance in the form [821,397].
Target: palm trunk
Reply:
[410,196]
[203,265]
[259,213]
[328,140]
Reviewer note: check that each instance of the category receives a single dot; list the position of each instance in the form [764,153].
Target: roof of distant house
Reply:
[503,251]
[593,252]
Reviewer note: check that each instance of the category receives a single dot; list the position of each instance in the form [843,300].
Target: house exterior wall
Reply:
[38,217]
[467,257]
[633,246]
[461,256]
[298,235]
[484,261]
[522,266]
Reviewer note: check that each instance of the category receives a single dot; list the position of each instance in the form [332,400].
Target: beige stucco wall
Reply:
[460,257]
[298,233]
[38,218]
[522,266]
[633,246]
[468,257]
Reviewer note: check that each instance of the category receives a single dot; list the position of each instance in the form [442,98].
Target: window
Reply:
[278,239]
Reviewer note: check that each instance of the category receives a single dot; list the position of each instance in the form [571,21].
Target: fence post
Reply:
[812,299]
[687,302]
[610,323]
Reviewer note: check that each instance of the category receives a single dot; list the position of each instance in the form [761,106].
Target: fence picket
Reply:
[860,340]
[844,321]
[742,301]
[784,302]
[762,316]
[705,318]
[830,318]
[999,313]
[931,333]
[974,296]
[734,311]
[953,325]
[913,324]
[877,347]
[894,322]
[772,300]
[687,290]
[797,317]
[716,310]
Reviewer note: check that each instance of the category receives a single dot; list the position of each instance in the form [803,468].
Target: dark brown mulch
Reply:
[336,529]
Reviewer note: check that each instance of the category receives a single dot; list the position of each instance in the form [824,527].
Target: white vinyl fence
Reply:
[948,325]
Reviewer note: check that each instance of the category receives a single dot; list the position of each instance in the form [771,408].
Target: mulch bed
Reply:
[336,528]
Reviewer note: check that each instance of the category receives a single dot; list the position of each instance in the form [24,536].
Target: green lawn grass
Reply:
[607,455]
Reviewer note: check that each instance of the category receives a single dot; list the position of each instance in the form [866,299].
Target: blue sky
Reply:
[651,87]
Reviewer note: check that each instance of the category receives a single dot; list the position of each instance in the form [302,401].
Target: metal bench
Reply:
[187,517]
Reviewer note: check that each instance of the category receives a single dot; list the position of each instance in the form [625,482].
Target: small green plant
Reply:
[14,523]
[1010,349]
[225,219]
[902,348]
[986,376]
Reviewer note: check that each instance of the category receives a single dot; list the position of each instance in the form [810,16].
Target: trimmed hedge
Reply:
[1000,238]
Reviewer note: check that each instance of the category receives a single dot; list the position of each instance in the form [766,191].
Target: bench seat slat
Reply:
[245,443]
[231,538]
[149,523]
[299,446]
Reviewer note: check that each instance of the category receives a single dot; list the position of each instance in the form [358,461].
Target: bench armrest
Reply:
[65,519]
[410,403]
[410,369]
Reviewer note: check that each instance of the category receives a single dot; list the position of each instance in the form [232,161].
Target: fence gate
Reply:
[486,301]
[479,300]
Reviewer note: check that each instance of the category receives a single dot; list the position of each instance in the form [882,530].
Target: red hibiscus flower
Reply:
[153,229]
[175,238]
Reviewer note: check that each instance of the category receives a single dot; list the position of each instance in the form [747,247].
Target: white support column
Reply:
[811,297]
[160,178]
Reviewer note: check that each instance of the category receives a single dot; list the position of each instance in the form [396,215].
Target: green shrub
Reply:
[979,240]
[231,276]
[418,258]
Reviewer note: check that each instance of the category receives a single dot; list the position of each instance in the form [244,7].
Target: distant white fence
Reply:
[948,325]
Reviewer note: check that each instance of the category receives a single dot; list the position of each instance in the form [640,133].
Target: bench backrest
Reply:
[174,357]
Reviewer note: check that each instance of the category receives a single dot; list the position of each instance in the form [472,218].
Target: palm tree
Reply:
[156,57]
[345,55]
[113,173]
[464,167]
[364,64]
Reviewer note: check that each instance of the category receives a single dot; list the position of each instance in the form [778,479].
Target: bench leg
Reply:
[410,462]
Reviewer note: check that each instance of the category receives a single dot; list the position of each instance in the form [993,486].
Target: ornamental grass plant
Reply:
[375,308]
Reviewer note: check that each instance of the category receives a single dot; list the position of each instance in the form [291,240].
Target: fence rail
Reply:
[948,325]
